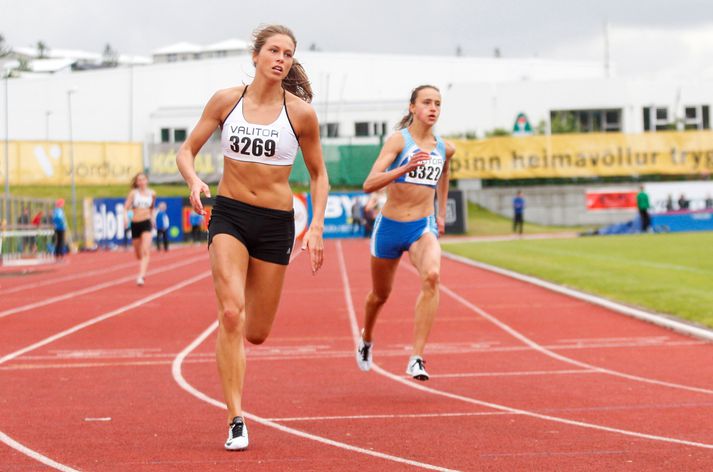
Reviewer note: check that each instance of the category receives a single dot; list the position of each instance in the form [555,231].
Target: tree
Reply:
[564,122]
[42,50]
[4,48]
[110,57]
[497,132]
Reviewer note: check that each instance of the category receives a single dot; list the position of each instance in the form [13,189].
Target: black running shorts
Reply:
[267,234]
[139,227]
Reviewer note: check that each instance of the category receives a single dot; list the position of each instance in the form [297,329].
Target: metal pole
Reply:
[6,211]
[131,102]
[71,165]
[47,124]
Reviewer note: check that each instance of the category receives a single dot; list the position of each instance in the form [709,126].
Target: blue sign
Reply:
[701,220]
[110,220]
[344,214]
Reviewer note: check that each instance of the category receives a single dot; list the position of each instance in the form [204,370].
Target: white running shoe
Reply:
[140,281]
[237,435]
[416,368]
[363,355]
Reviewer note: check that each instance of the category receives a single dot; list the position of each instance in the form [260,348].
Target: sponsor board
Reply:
[109,220]
[603,200]
[338,220]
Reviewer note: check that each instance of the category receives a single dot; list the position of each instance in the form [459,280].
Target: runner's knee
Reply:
[232,320]
[378,297]
[256,338]
[431,279]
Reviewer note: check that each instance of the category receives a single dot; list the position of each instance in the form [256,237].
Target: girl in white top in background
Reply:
[251,231]
[141,201]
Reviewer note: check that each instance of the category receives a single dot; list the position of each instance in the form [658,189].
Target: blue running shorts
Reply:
[391,238]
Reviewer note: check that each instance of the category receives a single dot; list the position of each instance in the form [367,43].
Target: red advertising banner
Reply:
[611,200]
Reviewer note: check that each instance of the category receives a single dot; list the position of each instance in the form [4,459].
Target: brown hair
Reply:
[296,81]
[408,118]
[135,178]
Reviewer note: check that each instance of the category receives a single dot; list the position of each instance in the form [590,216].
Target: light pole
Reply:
[48,113]
[71,163]
[6,201]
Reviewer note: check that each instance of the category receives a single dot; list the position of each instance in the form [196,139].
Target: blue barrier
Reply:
[672,222]
[109,220]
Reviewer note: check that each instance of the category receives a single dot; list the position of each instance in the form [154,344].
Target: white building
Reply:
[51,61]
[356,95]
[191,52]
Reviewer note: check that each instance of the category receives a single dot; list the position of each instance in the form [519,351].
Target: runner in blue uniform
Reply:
[413,166]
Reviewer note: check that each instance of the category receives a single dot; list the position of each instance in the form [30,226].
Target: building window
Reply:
[370,128]
[361,128]
[656,119]
[696,117]
[179,135]
[329,130]
[586,121]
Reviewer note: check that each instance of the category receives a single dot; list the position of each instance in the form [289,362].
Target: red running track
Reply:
[117,377]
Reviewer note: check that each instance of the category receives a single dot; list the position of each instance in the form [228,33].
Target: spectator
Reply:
[709,202]
[371,209]
[37,219]
[642,203]
[683,203]
[162,225]
[23,224]
[196,221]
[518,212]
[357,216]
[59,221]
[669,203]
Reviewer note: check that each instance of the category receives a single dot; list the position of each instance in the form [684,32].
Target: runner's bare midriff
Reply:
[256,184]
[408,202]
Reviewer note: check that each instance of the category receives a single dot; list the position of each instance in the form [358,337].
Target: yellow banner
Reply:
[48,163]
[584,155]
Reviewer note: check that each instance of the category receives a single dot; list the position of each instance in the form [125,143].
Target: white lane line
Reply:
[410,383]
[34,454]
[659,320]
[387,417]
[103,317]
[514,374]
[81,275]
[568,360]
[93,288]
[181,381]
[550,353]
[39,457]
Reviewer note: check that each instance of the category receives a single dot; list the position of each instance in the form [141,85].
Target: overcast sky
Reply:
[646,37]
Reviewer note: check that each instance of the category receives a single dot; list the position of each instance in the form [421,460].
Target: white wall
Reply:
[127,103]
[478,94]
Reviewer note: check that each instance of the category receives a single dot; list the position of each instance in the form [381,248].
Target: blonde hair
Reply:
[408,118]
[136,177]
[296,81]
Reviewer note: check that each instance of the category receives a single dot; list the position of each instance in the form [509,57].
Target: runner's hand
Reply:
[315,244]
[416,161]
[441,223]
[198,187]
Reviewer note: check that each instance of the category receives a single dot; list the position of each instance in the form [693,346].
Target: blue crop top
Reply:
[429,172]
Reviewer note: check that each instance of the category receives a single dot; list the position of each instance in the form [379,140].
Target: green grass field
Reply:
[482,222]
[666,273]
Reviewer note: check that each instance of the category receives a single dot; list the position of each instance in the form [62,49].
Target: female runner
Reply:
[413,166]
[251,231]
